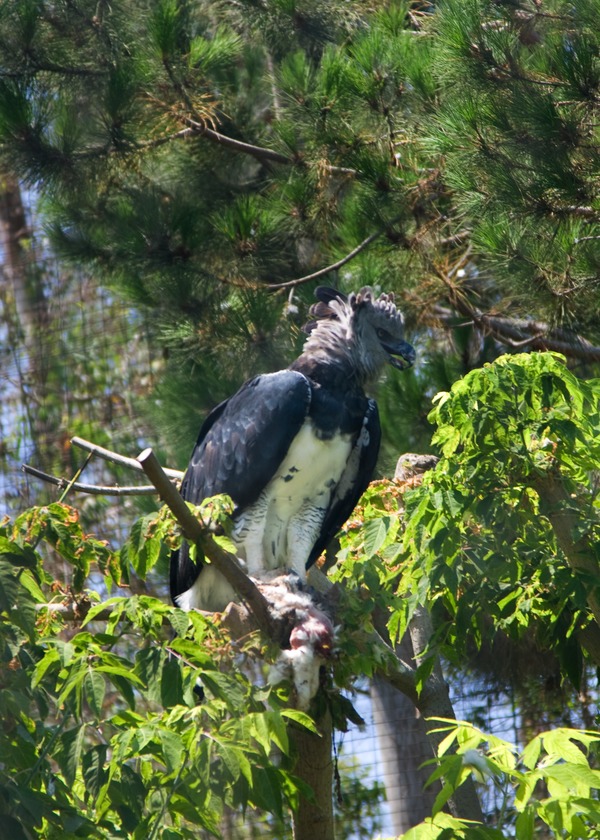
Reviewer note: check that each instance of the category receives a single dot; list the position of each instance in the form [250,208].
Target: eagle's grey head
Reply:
[362,329]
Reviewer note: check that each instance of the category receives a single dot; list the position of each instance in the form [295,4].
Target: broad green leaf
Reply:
[575,778]
[50,658]
[172,749]
[224,687]
[300,717]
[94,688]
[93,767]
[560,744]
[119,671]
[69,752]
[375,533]
[266,790]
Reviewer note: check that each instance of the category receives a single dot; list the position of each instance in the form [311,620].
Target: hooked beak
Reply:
[401,354]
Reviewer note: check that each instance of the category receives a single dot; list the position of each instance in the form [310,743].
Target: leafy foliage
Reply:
[484,542]
[196,154]
[560,762]
[102,727]
[483,534]
[98,740]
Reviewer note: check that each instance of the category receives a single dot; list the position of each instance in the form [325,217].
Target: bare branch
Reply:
[92,489]
[334,266]
[73,611]
[115,458]
[257,152]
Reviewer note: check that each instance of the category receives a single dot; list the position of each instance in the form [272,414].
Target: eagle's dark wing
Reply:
[240,446]
[353,482]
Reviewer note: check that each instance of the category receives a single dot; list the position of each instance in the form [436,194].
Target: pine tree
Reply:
[199,156]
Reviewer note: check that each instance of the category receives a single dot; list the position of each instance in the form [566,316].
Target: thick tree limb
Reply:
[314,818]
[581,553]
[434,699]
[520,332]
[434,696]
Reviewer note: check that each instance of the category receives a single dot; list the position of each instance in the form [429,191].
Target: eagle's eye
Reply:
[383,334]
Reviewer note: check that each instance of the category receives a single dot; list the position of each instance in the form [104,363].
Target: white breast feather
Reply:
[277,532]
[280,529]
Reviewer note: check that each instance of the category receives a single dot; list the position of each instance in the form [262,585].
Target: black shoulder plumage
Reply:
[240,445]
[244,439]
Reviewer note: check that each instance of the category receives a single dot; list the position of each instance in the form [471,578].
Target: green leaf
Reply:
[575,778]
[266,790]
[525,824]
[302,718]
[224,687]
[69,752]
[119,671]
[375,533]
[94,688]
[143,547]
[50,658]
[173,749]
[171,683]
[232,759]
[94,769]
[16,554]
[560,744]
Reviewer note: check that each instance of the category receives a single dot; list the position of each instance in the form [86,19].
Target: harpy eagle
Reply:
[295,449]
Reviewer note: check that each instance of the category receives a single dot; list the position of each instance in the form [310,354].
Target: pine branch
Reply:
[516,332]
[334,266]
[258,152]
[261,153]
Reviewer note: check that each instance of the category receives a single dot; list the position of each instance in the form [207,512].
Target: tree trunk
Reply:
[404,746]
[314,818]
[26,313]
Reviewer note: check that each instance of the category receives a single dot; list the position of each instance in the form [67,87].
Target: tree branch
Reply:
[464,802]
[519,332]
[91,489]
[258,152]
[334,266]
[313,820]
[261,153]
[433,701]
[225,562]
[115,458]
[580,553]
